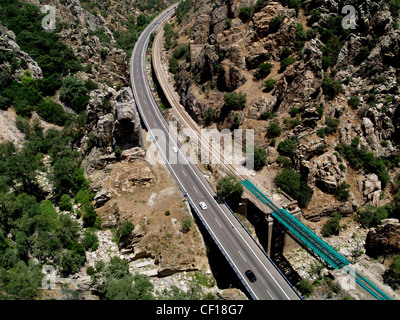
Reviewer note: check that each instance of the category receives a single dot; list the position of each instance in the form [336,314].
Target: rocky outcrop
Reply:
[8,46]
[384,239]
[370,188]
[127,120]
[325,173]
[302,80]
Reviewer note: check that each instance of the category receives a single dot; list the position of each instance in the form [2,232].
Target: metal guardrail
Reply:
[181,186]
[221,249]
[262,250]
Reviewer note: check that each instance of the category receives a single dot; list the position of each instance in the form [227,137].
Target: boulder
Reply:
[384,239]
[101,198]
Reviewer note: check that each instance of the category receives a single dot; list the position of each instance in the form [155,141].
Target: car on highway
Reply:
[250,274]
[203,205]
[175,149]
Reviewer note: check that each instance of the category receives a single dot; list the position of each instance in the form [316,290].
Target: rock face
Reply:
[384,239]
[8,46]
[127,120]
[112,120]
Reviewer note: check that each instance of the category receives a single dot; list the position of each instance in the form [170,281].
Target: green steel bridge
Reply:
[315,244]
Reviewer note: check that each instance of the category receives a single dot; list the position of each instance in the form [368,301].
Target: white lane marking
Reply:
[133,54]
[242,256]
[270,295]
[184,173]
[218,222]
[196,190]
[162,123]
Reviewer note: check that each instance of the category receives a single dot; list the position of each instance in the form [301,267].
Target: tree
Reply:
[173,65]
[229,186]
[235,101]
[90,215]
[90,241]
[74,93]
[291,182]
[22,282]
[260,157]
[118,284]
[65,203]
[371,216]
[287,147]
[209,115]
[67,230]
[331,87]
[71,261]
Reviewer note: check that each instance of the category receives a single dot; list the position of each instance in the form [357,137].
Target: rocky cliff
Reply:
[301,69]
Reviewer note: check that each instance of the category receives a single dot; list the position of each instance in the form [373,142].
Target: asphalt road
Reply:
[239,247]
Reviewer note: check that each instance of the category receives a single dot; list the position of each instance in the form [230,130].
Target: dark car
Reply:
[250,274]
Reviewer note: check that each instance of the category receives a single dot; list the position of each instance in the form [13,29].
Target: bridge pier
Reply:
[274,239]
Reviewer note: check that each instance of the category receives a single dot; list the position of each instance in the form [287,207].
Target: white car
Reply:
[175,149]
[203,205]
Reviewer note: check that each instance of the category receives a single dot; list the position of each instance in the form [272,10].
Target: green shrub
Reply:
[65,203]
[285,53]
[362,55]
[287,62]
[90,241]
[342,192]
[260,157]
[290,181]
[371,216]
[209,115]
[173,65]
[186,225]
[125,232]
[235,101]
[269,84]
[395,8]
[74,93]
[263,70]
[274,129]
[52,112]
[305,287]
[331,87]
[331,125]
[287,147]
[229,186]
[354,101]
[275,23]
[245,13]
[332,225]
[284,161]
[380,80]
[358,157]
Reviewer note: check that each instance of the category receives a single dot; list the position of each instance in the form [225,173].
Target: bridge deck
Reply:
[299,231]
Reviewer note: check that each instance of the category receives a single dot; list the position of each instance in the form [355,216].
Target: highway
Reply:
[240,249]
